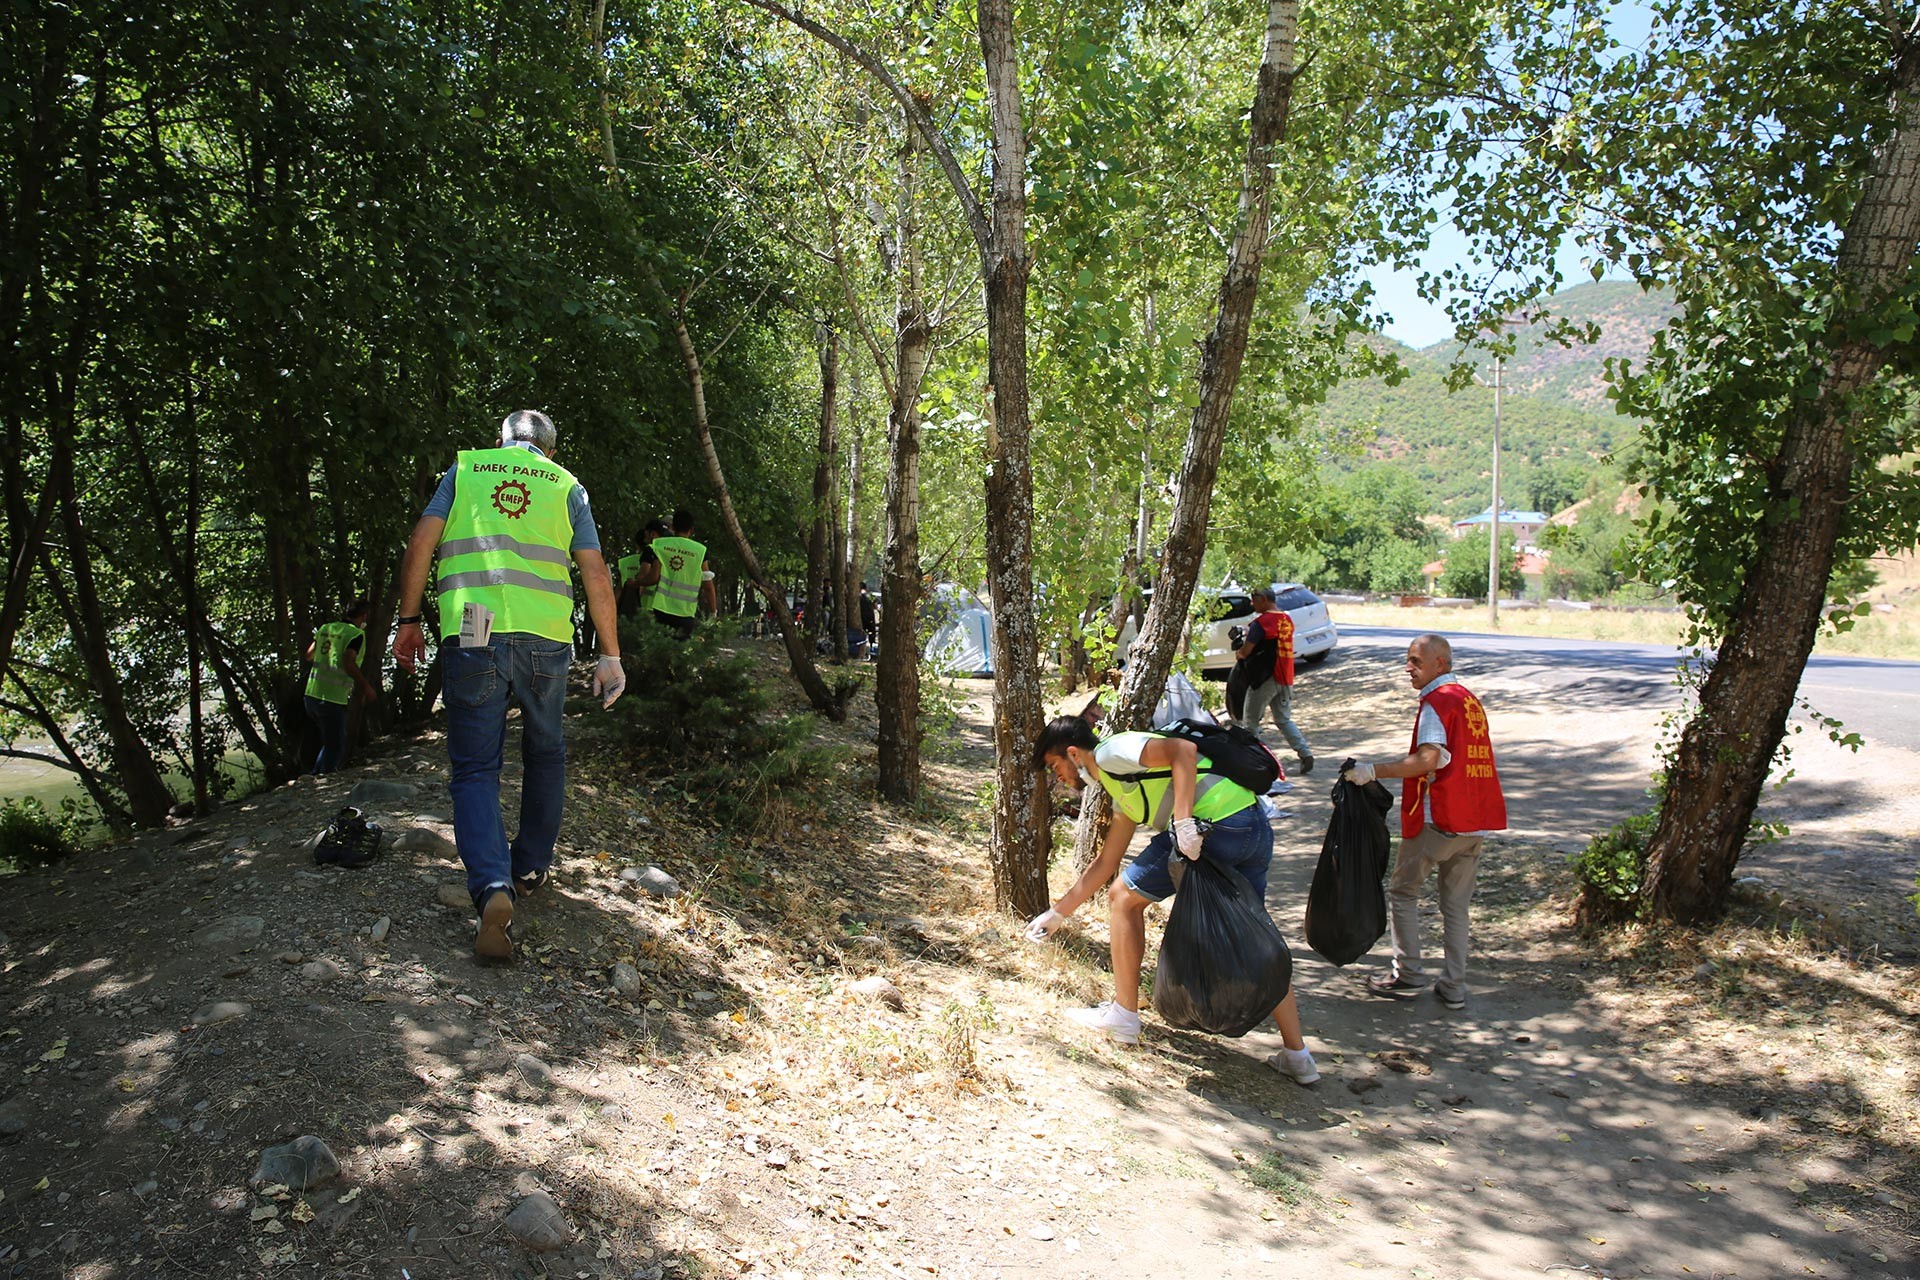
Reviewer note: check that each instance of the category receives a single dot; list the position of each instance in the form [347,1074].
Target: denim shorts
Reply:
[1243,841]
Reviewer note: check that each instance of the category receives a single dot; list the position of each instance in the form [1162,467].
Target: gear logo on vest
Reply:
[511,499]
[676,562]
[1476,716]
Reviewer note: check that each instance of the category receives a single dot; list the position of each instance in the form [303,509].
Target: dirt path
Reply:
[704,1088]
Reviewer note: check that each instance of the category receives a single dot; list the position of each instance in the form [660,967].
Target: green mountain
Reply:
[1556,422]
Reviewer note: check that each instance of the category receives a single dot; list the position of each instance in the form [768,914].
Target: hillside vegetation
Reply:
[1556,421]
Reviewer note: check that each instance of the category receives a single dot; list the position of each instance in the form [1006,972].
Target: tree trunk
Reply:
[847,555]
[148,799]
[798,657]
[1151,657]
[896,691]
[1021,834]
[819,537]
[1220,359]
[846,610]
[1722,761]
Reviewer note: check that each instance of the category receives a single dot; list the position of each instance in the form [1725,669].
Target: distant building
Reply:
[1524,525]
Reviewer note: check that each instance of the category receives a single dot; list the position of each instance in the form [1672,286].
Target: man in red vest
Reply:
[1266,657]
[1450,799]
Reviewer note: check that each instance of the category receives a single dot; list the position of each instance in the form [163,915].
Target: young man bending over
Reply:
[1160,782]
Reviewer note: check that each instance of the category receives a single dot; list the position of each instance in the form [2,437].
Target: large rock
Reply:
[301,1165]
[880,991]
[453,895]
[425,840]
[626,978]
[535,1072]
[381,793]
[653,881]
[15,1116]
[234,931]
[537,1223]
[208,1015]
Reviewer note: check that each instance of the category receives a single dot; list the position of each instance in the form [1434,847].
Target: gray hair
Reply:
[1438,647]
[532,426]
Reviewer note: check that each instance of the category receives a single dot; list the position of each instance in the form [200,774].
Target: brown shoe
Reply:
[494,941]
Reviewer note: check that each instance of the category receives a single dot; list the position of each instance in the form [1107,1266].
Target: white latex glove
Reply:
[1186,834]
[609,681]
[1041,927]
[1360,775]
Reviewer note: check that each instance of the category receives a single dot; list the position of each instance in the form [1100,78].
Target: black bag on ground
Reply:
[1233,752]
[349,841]
[1347,906]
[1223,964]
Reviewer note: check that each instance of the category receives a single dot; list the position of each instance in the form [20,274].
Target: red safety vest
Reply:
[1466,793]
[1278,626]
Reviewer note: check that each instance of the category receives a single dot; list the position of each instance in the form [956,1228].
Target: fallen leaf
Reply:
[265,1212]
[40,1185]
[350,1197]
[302,1212]
[1798,1187]
[1598,1239]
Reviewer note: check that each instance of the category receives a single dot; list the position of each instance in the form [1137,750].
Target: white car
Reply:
[1314,634]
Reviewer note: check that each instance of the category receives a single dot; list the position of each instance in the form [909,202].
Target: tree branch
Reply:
[916,113]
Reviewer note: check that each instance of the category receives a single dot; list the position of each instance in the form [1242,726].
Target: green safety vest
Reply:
[629,569]
[1148,798]
[330,681]
[506,544]
[682,560]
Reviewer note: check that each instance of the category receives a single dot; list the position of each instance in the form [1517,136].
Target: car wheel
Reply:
[1314,660]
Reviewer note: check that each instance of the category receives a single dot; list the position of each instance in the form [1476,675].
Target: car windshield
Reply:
[1297,598]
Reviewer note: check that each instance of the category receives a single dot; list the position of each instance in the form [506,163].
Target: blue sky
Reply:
[1420,323]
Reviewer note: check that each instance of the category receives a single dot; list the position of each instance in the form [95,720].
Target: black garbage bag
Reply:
[1347,905]
[1223,964]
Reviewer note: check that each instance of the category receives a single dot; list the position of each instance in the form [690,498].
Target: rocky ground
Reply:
[809,1048]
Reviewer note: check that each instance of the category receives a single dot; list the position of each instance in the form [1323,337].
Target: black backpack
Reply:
[1232,751]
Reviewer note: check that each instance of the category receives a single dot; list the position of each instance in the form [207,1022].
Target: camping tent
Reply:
[962,643]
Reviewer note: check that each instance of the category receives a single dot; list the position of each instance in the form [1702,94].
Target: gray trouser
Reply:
[1455,858]
[1278,698]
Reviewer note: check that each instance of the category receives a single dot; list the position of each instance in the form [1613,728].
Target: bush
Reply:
[32,837]
[1466,560]
[1610,870]
[700,710]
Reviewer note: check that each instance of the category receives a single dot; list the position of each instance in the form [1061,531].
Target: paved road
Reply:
[1876,697]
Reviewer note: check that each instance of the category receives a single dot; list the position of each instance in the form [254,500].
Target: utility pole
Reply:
[1493,543]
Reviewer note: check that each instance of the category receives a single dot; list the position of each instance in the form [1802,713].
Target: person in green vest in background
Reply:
[504,522]
[335,654]
[640,572]
[685,581]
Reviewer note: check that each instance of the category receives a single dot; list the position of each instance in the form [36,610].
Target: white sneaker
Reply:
[1296,1065]
[1120,1024]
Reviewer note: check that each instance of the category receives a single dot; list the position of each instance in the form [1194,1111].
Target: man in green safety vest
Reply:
[335,653]
[504,523]
[1158,782]
[685,581]
[640,572]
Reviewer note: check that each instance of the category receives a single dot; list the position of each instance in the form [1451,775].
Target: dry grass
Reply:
[1891,631]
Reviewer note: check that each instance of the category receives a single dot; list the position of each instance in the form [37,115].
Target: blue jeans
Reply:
[331,719]
[1243,841]
[475,686]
